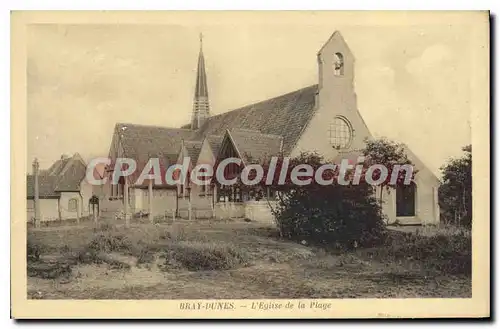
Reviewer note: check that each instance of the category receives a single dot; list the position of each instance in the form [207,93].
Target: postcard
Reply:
[232,164]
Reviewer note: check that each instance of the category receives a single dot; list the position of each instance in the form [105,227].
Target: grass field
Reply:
[210,260]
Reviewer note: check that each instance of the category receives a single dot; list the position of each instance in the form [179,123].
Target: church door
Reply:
[406,200]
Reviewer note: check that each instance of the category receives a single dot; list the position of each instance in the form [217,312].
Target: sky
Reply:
[412,80]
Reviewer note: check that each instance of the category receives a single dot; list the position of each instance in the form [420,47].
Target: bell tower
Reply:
[201,105]
[343,127]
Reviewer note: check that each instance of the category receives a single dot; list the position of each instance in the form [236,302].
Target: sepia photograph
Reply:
[233,162]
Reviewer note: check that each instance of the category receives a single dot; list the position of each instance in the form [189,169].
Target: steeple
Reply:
[201,106]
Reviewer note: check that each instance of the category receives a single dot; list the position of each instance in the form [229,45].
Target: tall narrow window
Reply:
[338,64]
[223,193]
[203,185]
[406,200]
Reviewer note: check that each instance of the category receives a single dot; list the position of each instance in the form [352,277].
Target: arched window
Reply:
[406,196]
[338,64]
[73,205]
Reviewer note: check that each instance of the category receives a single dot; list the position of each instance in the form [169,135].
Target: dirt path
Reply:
[296,279]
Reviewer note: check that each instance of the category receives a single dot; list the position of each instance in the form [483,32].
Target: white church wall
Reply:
[229,210]
[67,212]
[388,204]
[201,201]
[137,202]
[259,211]
[336,98]
[110,206]
[206,155]
[201,204]
[426,205]
[164,201]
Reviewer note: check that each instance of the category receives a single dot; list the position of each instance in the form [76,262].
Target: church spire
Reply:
[201,107]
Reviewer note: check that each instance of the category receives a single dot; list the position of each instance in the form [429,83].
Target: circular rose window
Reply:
[340,133]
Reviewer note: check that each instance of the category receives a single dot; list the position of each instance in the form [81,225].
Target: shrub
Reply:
[49,270]
[104,226]
[144,254]
[109,242]
[175,232]
[145,257]
[198,256]
[65,249]
[34,250]
[88,256]
[344,216]
[447,253]
[334,215]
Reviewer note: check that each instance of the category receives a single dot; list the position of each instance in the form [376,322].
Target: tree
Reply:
[455,192]
[340,215]
[389,154]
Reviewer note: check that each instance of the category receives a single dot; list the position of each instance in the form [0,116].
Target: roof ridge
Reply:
[150,126]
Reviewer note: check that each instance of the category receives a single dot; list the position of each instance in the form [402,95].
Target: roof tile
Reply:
[193,149]
[255,146]
[285,115]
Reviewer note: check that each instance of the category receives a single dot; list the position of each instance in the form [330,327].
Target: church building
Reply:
[322,118]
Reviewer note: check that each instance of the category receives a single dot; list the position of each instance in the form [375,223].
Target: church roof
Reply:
[215,142]
[286,115]
[193,149]
[142,142]
[255,146]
